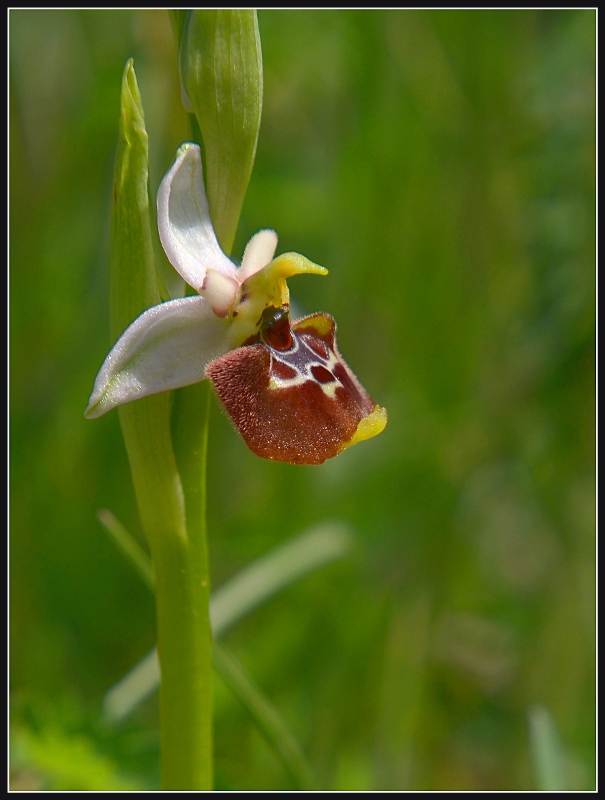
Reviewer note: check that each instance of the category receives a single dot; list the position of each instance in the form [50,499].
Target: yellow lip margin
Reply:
[369,426]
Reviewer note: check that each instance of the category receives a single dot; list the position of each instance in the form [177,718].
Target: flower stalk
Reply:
[171,524]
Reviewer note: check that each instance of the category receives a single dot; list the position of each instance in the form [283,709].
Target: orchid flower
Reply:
[283,384]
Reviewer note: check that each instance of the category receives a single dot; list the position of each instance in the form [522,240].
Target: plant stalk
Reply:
[172,503]
[184,634]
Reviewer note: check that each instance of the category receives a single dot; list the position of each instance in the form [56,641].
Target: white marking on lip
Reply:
[329,388]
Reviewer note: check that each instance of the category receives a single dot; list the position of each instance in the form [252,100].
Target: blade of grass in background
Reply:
[548,753]
[240,595]
[266,716]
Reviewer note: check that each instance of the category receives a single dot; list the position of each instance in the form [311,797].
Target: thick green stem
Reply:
[172,505]
[178,547]
[184,648]
[173,514]
[184,636]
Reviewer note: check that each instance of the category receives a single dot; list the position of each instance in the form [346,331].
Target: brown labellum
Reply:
[289,393]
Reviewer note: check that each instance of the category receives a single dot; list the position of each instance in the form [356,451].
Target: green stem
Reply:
[176,536]
[172,505]
[185,657]
[183,593]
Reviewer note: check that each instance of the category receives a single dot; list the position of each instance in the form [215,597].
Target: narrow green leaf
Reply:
[221,72]
[266,716]
[133,280]
[129,546]
[271,573]
[548,754]
[133,287]
[246,590]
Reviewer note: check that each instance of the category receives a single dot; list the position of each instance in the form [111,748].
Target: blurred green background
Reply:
[441,164]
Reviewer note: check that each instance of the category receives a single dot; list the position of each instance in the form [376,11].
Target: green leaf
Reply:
[221,72]
[548,754]
[266,716]
[238,596]
[133,287]
[133,278]
[129,546]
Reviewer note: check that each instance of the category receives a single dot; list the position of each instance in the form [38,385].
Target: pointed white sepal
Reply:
[168,346]
[184,222]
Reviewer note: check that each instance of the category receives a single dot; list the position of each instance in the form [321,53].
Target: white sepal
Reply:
[168,346]
[184,222]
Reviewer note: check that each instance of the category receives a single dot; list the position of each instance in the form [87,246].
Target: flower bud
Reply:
[222,83]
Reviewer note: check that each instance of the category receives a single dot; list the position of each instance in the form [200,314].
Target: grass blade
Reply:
[548,755]
[128,545]
[265,715]
[250,587]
